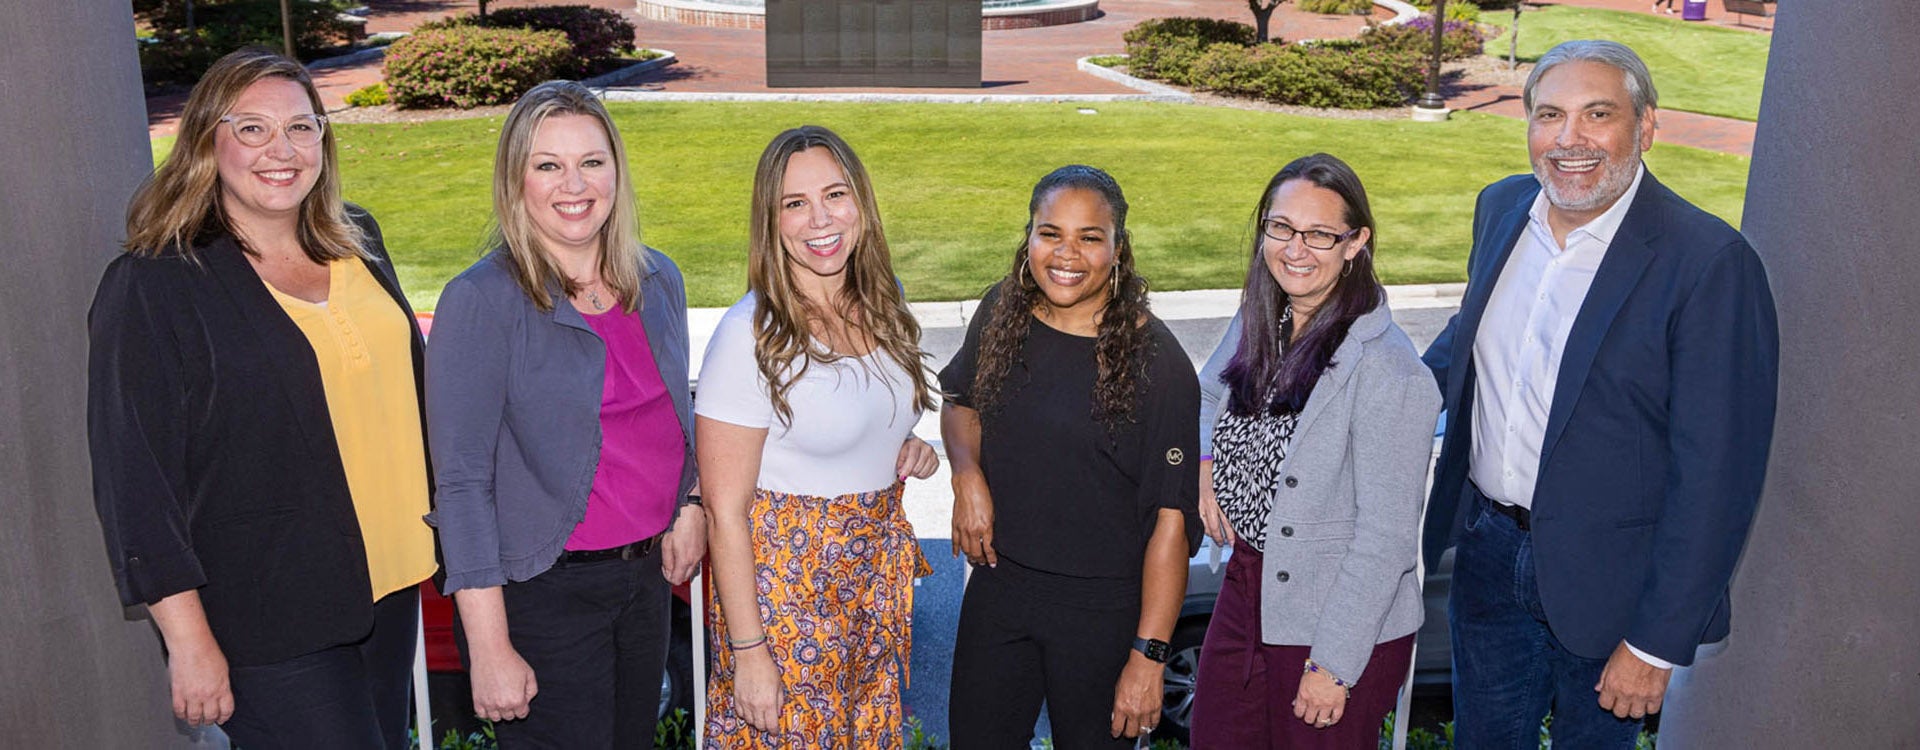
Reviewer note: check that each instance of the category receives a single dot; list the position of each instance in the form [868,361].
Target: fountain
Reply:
[752,14]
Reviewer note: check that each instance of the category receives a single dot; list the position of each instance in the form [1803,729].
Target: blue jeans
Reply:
[1508,669]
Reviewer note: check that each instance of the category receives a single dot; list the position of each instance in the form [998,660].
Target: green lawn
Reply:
[952,184]
[1696,67]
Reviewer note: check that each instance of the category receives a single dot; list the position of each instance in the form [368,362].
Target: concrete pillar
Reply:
[1825,651]
[74,670]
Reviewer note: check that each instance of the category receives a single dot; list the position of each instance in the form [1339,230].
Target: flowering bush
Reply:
[370,95]
[471,66]
[1460,39]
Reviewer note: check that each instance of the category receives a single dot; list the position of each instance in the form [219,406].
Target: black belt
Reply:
[632,551]
[1522,517]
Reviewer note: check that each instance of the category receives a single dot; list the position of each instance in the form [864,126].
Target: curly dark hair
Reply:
[1122,347]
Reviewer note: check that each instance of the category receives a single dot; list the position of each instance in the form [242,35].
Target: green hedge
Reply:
[1383,68]
[470,66]
[1333,75]
[175,55]
[593,33]
[1165,48]
[1337,7]
[1460,41]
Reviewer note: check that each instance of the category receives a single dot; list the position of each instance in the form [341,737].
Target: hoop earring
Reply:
[1348,269]
[1113,281]
[1023,270]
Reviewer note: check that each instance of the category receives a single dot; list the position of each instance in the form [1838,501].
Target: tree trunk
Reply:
[1513,42]
[483,12]
[1262,13]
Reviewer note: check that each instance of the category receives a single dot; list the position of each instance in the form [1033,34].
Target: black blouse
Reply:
[1069,497]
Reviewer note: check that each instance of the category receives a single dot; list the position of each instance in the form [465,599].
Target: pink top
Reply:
[641,447]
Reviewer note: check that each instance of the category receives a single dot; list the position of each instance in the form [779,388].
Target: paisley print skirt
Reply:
[835,583]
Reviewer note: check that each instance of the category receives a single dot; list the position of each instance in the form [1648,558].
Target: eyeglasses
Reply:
[1281,231]
[258,130]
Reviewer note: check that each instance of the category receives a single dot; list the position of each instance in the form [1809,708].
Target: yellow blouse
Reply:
[362,342]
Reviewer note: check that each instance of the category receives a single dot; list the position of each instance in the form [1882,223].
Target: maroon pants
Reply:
[1243,699]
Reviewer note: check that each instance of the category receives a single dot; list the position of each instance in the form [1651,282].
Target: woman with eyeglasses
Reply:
[255,424]
[1317,418]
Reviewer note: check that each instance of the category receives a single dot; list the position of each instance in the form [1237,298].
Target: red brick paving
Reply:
[1016,61]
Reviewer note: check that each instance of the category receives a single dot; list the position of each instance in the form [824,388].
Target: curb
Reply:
[365,55]
[1159,92]
[611,78]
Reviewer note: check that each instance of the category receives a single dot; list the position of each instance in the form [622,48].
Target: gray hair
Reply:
[1638,80]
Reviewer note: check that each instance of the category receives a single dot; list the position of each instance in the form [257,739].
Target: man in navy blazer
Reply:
[1610,382]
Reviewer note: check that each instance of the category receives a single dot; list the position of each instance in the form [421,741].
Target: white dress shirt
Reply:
[1517,351]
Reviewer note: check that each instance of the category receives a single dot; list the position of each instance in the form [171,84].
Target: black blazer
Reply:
[214,461]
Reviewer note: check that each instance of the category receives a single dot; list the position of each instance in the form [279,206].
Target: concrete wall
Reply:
[74,671]
[1825,651]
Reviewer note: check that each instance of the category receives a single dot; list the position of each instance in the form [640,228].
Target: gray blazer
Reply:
[513,415]
[1338,572]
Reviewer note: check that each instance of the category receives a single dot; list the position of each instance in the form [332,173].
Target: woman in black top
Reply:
[1071,426]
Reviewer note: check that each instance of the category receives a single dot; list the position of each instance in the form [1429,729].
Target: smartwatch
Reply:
[1157,650]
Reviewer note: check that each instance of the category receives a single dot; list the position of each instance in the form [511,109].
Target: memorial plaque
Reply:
[877,43]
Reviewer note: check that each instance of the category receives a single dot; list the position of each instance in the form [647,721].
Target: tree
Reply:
[1262,12]
[1513,41]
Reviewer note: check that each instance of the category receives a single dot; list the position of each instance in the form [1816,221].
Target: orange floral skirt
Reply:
[835,584]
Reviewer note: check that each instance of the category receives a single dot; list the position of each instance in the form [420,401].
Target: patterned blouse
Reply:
[1247,453]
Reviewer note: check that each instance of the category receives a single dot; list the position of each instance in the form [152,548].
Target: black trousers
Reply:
[351,696]
[1028,637]
[595,635]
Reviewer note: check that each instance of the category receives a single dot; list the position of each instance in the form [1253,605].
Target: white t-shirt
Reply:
[849,417]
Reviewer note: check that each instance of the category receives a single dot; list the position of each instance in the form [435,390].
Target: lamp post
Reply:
[286,27]
[1430,107]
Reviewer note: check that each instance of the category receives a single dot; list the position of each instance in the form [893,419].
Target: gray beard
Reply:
[1615,178]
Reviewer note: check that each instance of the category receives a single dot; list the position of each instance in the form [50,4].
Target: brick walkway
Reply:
[1019,61]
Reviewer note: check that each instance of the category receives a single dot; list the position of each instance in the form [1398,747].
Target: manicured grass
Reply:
[1696,67]
[953,181]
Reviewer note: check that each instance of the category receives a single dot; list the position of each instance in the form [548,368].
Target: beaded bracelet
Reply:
[747,644]
[1312,667]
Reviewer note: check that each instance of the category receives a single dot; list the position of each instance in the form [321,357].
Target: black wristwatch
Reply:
[695,500]
[1156,650]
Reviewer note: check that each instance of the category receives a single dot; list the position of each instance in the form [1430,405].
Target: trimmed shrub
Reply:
[1461,10]
[1332,75]
[371,95]
[593,33]
[1337,7]
[1461,40]
[1165,48]
[470,66]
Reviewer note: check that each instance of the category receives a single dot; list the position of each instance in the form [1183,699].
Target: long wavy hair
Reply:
[622,256]
[1122,345]
[178,206]
[871,300]
[1267,374]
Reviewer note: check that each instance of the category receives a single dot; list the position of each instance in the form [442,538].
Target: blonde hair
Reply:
[871,296]
[179,204]
[621,253]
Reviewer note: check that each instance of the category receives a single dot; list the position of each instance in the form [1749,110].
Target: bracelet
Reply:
[694,500]
[1312,667]
[748,644]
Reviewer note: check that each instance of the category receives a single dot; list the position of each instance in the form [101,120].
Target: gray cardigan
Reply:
[513,415]
[1338,572]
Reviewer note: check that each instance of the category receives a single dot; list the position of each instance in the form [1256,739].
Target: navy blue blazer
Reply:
[1657,438]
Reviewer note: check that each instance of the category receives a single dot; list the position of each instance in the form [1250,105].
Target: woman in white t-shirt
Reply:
[807,401]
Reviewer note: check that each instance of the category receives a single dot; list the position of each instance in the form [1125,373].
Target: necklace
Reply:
[593,296]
